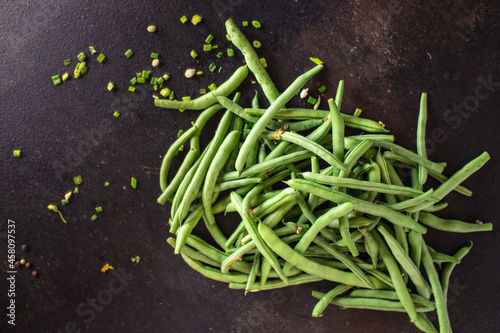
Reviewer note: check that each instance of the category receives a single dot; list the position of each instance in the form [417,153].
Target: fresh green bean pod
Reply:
[451,225]
[326,299]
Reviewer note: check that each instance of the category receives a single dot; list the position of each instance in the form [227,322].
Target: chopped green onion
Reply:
[160,80]
[110,86]
[65,201]
[244,23]
[212,67]
[212,87]
[131,88]
[92,50]
[155,63]
[76,190]
[207,47]
[220,55]
[139,74]
[155,87]
[78,180]
[189,72]
[154,55]
[67,62]
[98,209]
[153,80]
[184,19]
[209,39]
[220,69]
[186,98]
[141,80]
[17,153]
[83,68]
[151,28]
[133,182]
[181,131]
[228,37]
[101,58]
[311,100]
[166,77]
[129,53]
[230,52]
[68,195]
[256,24]
[196,19]
[357,113]
[316,61]
[318,102]
[81,56]
[171,96]
[199,73]
[134,80]
[203,91]
[106,184]
[181,148]
[215,47]
[116,114]
[165,92]
[94,217]
[322,88]
[145,74]
[193,54]
[56,79]
[136,259]
[65,76]
[263,62]
[256,44]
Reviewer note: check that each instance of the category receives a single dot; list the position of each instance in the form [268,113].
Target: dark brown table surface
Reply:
[388,54]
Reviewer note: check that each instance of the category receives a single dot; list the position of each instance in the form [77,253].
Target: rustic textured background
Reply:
[386,53]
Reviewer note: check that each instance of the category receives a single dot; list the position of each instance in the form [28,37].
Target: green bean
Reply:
[257,238]
[252,155]
[339,94]
[422,120]
[215,167]
[200,123]
[215,232]
[448,268]
[191,156]
[395,180]
[209,99]
[268,115]
[372,137]
[406,263]
[273,203]
[252,59]
[253,272]
[337,129]
[415,241]
[397,280]
[361,184]
[391,295]
[402,205]
[437,290]
[436,207]
[325,300]
[346,235]
[214,274]
[354,154]
[255,100]
[188,226]
[371,246]
[453,225]
[306,265]
[230,184]
[276,283]
[265,269]
[362,206]
[424,324]
[441,257]
[193,254]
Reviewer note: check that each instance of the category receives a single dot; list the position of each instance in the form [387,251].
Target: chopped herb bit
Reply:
[141,80]
[78,180]
[228,37]
[203,91]
[154,96]
[151,28]
[83,68]
[196,19]
[165,92]
[193,54]
[101,58]
[93,218]
[56,79]
[256,24]
[199,73]
[186,98]
[316,61]
[65,76]
[106,184]
[322,88]
[212,87]
[230,52]
[55,209]
[116,114]
[207,47]
[311,100]
[318,102]
[190,72]
[357,113]
[134,80]
[155,87]
[180,133]
[263,61]
[166,77]
[68,194]
[244,23]
[110,86]
[67,62]
[153,80]
[133,182]
[209,39]
[17,153]
[98,209]
[81,56]
[154,55]
[155,63]
[92,50]
[76,190]
[139,74]
[136,259]
[171,96]
[256,44]
[145,74]
[129,53]
[212,67]
[181,148]
[65,201]
[131,88]
[184,19]
[215,47]
[160,80]
[220,55]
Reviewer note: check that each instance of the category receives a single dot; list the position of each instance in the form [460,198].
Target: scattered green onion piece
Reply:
[94,217]
[316,61]
[215,47]
[171,96]
[151,28]
[193,54]
[165,92]
[230,52]
[207,47]
[220,55]
[155,63]
[181,148]
[136,259]
[110,86]
[181,131]
[83,68]
[153,80]
[76,190]
[209,39]
[78,180]
[263,62]
[160,80]
[56,79]
[129,53]
[139,74]
[65,201]
[186,98]
[199,73]
[55,209]
[256,44]
[212,67]
[92,50]
[154,55]
[134,80]
[220,69]
[145,74]
[106,184]
[166,77]
[357,113]
[141,80]
[133,182]
[98,209]
[311,100]
[81,56]
[189,72]
[256,24]
[203,91]
[116,114]
[184,19]
[67,62]
[212,87]
[101,58]
[196,19]
[228,37]
[244,23]
[17,153]
[65,76]
[322,88]
[131,88]
[318,102]
[155,87]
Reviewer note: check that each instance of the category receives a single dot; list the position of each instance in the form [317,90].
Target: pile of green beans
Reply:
[312,203]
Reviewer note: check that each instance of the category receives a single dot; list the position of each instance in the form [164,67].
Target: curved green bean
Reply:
[326,299]
[452,225]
